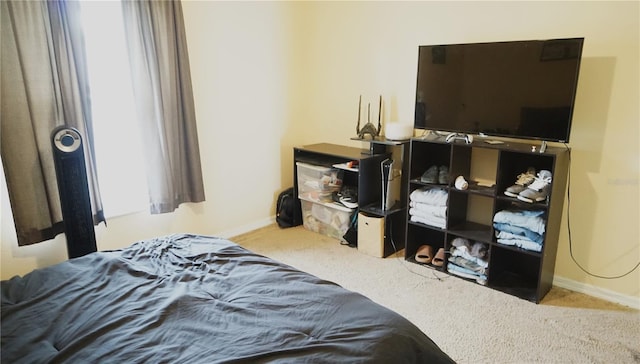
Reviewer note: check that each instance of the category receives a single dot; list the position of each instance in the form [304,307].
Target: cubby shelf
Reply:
[490,169]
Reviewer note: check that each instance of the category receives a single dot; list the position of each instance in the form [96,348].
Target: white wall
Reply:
[271,75]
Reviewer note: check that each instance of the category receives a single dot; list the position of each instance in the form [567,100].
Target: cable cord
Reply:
[569,231]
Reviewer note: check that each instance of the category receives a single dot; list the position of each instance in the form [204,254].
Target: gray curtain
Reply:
[162,87]
[44,85]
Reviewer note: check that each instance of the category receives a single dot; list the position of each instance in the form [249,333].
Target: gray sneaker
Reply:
[538,190]
[430,176]
[443,175]
[524,180]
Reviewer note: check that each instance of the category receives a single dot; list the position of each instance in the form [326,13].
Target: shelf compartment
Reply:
[427,206]
[512,164]
[515,273]
[425,154]
[417,236]
[472,230]
[484,164]
[470,215]
[469,263]
[538,224]
[513,284]
[476,165]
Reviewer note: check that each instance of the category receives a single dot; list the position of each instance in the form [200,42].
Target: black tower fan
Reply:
[73,187]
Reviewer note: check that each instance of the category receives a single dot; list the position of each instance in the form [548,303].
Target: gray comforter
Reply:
[196,299]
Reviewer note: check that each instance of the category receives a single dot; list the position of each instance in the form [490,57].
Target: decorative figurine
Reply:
[369,128]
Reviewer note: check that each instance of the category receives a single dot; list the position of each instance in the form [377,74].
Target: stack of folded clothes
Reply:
[469,260]
[429,206]
[521,228]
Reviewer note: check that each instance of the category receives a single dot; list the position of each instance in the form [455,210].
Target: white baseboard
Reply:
[605,294]
[246,228]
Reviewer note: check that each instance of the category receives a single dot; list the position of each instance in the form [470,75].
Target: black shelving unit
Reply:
[366,178]
[523,273]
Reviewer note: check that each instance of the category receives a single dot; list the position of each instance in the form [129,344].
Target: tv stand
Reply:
[468,138]
[490,170]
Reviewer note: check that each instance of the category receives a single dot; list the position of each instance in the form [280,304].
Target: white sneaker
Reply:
[538,190]
[524,180]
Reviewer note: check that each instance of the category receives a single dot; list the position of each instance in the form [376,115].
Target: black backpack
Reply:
[286,209]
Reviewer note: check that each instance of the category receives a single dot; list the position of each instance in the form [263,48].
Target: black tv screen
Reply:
[518,89]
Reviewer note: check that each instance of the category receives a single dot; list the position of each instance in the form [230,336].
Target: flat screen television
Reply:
[517,89]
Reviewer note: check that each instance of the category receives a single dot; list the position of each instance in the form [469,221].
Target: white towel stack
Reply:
[429,206]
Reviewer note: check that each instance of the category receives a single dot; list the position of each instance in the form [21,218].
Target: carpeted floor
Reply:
[472,323]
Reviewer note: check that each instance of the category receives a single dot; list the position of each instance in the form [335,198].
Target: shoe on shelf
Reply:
[443,175]
[538,190]
[349,202]
[524,180]
[424,254]
[438,259]
[430,175]
[347,196]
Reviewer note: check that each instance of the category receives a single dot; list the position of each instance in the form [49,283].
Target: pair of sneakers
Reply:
[436,175]
[347,196]
[531,187]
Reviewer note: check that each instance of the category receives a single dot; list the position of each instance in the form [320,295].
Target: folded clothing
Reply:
[507,238]
[466,273]
[469,259]
[475,250]
[529,219]
[520,232]
[522,228]
[432,196]
[467,264]
[429,206]
[421,208]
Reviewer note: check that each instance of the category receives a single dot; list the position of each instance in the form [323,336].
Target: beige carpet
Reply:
[473,324]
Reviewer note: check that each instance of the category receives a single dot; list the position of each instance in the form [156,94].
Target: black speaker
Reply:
[71,173]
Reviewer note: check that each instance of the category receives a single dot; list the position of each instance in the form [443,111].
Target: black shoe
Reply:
[347,196]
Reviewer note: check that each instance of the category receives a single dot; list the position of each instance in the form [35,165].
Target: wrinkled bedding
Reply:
[196,299]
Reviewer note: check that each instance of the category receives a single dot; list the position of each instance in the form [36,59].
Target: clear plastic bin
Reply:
[327,219]
[317,183]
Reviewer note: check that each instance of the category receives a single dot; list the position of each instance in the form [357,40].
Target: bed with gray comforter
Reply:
[197,299]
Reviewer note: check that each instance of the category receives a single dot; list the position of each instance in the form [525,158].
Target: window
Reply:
[119,160]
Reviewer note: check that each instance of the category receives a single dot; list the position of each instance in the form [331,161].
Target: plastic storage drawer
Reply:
[327,219]
[317,183]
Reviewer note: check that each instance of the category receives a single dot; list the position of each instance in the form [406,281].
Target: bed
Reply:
[197,299]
